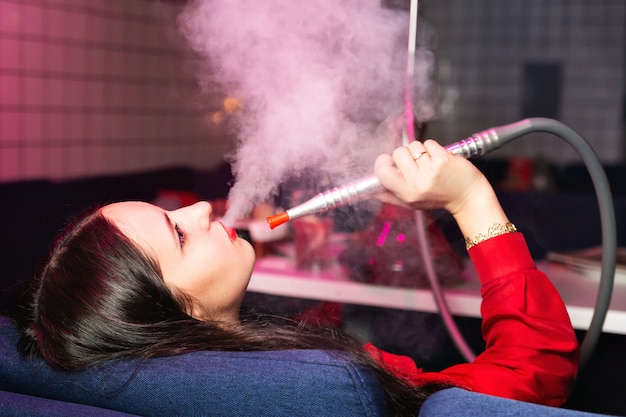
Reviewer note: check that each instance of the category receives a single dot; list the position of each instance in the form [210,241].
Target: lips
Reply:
[232,233]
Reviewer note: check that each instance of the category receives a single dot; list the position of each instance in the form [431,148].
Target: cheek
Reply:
[218,260]
[214,264]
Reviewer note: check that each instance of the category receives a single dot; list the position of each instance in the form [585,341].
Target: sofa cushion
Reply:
[461,403]
[20,405]
[280,383]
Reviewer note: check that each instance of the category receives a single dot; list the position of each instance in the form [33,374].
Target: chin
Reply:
[249,253]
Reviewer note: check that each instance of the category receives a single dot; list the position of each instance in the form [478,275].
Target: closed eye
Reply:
[180,233]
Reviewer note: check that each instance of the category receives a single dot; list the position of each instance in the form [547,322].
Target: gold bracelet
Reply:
[494,230]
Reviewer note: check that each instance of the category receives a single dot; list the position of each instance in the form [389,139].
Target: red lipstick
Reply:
[232,233]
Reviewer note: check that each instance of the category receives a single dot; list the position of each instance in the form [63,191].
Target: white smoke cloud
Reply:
[316,77]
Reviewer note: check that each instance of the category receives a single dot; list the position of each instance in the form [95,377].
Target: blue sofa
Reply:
[287,383]
[455,402]
[284,383]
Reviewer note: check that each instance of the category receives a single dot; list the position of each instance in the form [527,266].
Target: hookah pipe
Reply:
[361,189]
[479,144]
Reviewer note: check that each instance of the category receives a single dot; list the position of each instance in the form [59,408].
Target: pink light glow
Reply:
[382,237]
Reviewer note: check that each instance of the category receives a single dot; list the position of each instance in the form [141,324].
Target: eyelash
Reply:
[181,234]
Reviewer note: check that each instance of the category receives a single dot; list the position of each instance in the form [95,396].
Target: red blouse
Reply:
[531,350]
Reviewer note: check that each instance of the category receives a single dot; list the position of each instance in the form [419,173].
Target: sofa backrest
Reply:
[280,383]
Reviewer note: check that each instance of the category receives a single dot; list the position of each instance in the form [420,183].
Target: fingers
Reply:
[434,148]
[391,178]
[387,171]
[400,171]
[417,150]
[406,158]
[419,155]
[425,152]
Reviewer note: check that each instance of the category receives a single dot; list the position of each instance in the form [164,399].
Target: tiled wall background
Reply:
[483,46]
[96,86]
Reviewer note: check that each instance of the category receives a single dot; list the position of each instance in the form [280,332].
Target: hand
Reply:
[439,179]
[436,179]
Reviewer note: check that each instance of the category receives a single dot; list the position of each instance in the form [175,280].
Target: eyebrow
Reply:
[172,229]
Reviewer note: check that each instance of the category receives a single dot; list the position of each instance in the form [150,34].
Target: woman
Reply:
[133,280]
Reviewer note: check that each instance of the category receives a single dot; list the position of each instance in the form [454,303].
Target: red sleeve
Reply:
[531,349]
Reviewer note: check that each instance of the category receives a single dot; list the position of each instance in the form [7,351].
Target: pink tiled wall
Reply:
[96,86]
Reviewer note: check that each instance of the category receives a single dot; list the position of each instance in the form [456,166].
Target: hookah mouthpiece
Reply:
[278,219]
[478,144]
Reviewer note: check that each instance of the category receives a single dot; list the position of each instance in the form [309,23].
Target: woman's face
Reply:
[199,257]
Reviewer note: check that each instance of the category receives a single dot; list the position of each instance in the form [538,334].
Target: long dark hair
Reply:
[99,297]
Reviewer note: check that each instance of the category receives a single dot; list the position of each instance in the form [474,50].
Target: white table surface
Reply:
[278,276]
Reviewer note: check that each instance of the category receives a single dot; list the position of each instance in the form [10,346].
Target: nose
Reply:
[198,212]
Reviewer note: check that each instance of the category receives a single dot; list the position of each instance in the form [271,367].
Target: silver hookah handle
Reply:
[476,145]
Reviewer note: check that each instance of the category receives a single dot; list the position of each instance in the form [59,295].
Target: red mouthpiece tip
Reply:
[277,219]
